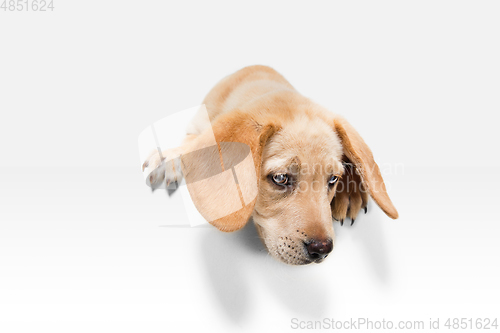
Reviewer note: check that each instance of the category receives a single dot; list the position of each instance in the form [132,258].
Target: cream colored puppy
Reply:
[308,166]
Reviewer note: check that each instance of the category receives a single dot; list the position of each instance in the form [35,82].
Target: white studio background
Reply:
[86,247]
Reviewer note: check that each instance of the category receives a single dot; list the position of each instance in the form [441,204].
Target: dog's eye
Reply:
[333,180]
[280,178]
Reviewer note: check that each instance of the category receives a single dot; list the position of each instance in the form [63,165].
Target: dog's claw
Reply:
[341,222]
[366,209]
[352,221]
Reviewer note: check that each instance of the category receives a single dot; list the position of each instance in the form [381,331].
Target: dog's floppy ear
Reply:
[366,171]
[222,176]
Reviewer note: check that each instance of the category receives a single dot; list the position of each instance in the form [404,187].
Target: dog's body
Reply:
[310,165]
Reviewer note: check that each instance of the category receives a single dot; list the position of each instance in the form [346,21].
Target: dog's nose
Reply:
[319,249]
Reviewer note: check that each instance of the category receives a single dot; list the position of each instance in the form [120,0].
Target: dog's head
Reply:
[306,172]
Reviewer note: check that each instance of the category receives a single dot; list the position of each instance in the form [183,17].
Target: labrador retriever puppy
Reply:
[268,153]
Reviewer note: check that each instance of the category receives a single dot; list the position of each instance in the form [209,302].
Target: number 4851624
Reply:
[27,5]
[471,324]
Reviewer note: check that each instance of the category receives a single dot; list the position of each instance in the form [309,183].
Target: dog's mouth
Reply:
[319,260]
[300,261]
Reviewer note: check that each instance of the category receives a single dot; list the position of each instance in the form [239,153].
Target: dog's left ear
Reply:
[365,170]
[222,176]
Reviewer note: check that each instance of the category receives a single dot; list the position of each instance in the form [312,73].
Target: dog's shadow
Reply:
[238,263]
[238,268]
[368,234]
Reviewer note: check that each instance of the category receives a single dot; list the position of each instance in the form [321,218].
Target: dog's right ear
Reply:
[222,175]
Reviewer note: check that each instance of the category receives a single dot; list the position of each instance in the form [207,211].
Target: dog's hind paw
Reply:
[163,168]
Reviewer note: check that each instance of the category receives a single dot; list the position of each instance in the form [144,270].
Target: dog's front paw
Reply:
[163,168]
[350,197]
